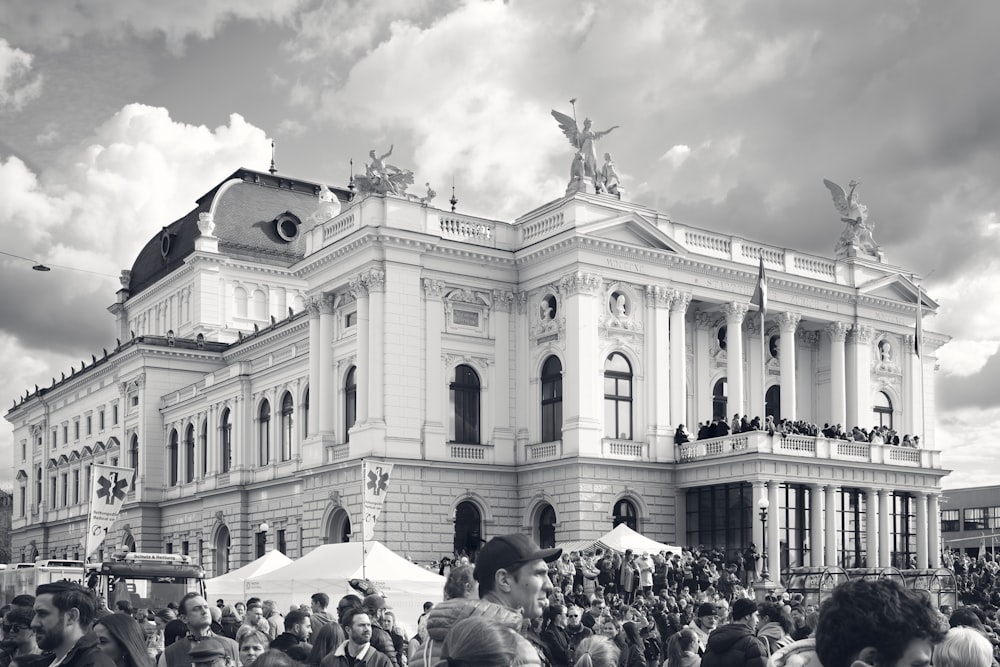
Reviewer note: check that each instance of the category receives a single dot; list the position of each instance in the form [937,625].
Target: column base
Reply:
[762,588]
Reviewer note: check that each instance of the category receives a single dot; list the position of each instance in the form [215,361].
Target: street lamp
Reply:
[262,546]
[763,504]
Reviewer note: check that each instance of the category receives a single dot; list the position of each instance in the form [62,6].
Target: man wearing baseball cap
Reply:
[736,644]
[706,620]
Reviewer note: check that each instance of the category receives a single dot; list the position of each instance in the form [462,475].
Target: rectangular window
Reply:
[89,425]
[24,451]
[114,415]
[282,547]
[65,433]
[76,429]
[52,492]
[949,521]
[184,548]
[974,519]
[64,478]
[76,487]
[55,437]
[100,420]
[24,493]
[170,547]
[350,320]
[993,517]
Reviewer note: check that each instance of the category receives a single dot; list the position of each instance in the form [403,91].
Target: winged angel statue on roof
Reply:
[858,233]
[585,142]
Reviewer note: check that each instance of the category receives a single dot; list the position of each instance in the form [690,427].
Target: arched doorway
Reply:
[547,527]
[468,530]
[129,543]
[772,403]
[338,528]
[223,543]
[719,400]
[626,513]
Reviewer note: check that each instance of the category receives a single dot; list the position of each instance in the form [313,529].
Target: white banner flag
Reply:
[376,483]
[108,488]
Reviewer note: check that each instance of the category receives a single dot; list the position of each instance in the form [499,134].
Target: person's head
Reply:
[240,608]
[64,612]
[121,639]
[876,623]
[389,620]
[610,628]
[319,602]
[298,623]
[216,614]
[963,647]
[123,607]
[707,616]
[597,606]
[968,617]
[252,645]
[596,651]
[514,570]
[686,643]
[480,642]
[771,612]
[193,609]
[461,583]
[374,605]
[253,613]
[358,626]
[428,606]
[631,630]
[270,607]
[274,658]
[209,652]
[745,611]
[574,617]
[346,603]
[17,626]
[555,614]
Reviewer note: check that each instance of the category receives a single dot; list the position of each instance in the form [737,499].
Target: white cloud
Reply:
[17,84]
[676,155]
[291,128]
[961,435]
[966,357]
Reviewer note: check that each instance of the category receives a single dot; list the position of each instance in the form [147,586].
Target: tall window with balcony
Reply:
[264,433]
[617,397]
[225,441]
[350,402]
[287,408]
[189,453]
[203,447]
[882,410]
[305,413]
[133,458]
[552,400]
[172,456]
[465,406]
[38,486]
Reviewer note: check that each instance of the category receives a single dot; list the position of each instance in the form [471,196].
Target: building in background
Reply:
[524,375]
[6,514]
[970,520]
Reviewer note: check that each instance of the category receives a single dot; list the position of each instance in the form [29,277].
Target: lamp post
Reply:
[263,528]
[762,505]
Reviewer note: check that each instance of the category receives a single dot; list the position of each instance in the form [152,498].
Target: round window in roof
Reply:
[166,239]
[287,226]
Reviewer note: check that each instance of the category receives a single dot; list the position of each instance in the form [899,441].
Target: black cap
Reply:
[707,609]
[742,608]
[509,552]
[207,650]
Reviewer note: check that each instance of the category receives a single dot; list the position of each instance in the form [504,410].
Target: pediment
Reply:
[897,288]
[631,229]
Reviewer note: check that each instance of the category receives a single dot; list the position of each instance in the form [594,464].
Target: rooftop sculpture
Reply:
[381,178]
[858,233]
[584,168]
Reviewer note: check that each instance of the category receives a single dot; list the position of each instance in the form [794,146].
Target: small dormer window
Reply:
[166,240]
[287,226]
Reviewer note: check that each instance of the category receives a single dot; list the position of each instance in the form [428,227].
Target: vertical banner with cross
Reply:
[107,495]
[376,483]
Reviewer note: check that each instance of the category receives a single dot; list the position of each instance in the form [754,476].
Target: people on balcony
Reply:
[877,435]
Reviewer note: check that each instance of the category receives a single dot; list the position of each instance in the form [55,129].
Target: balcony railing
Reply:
[631,450]
[808,447]
[542,451]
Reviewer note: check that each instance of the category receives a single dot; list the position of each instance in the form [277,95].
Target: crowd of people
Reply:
[719,428]
[977,579]
[517,605]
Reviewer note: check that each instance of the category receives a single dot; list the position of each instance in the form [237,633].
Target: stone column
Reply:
[933,530]
[913,388]
[359,289]
[922,531]
[788,323]
[582,385]
[323,392]
[816,541]
[871,516]
[837,331]
[885,540]
[503,431]
[831,557]
[375,279]
[775,514]
[433,380]
[658,300]
[859,398]
[735,312]
[678,357]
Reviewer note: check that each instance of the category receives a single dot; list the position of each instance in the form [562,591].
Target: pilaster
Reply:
[735,312]
[582,395]
[837,332]
[788,322]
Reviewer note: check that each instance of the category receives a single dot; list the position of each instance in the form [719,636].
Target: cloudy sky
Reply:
[115,116]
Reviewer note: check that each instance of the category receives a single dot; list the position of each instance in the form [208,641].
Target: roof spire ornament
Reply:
[454,199]
[350,181]
[272,169]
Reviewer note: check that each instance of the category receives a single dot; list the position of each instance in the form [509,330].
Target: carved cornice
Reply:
[735,312]
[788,322]
[837,331]
[581,283]
[659,296]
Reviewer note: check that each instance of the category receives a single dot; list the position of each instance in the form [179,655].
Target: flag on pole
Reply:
[376,476]
[108,489]
[918,338]
[759,297]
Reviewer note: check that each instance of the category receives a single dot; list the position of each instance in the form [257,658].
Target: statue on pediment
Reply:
[584,141]
[858,233]
[382,178]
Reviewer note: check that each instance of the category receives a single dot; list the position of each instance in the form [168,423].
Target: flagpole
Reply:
[364,521]
[920,360]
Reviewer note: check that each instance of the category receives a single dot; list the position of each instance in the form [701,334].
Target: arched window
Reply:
[226,441]
[203,447]
[465,405]
[468,529]
[547,527]
[305,414]
[626,513]
[719,392]
[189,454]
[350,402]
[258,307]
[772,403]
[264,433]
[133,458]
[617,397]
[287,408]
[240,302]
[172,463]
[552,400]
[882,410]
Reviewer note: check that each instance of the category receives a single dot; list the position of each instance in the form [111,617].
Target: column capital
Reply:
[704,320]
[837,331]
[735,312]
[320,305]
[522,302]
[788,321]
[659,296]
[433,288]
[502,300]
[863,333]
[581,283]
[358,288]
[374,279]
[680,302]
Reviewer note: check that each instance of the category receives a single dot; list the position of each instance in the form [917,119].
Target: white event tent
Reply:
[230,586]
[620,539]
[330,567]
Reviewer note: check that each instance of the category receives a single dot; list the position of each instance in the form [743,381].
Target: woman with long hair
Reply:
[554,637]
[121,639]
[636,647]
[627,655]
[596,651]
[682,649]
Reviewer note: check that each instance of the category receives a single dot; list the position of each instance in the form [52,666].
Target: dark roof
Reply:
[244,216]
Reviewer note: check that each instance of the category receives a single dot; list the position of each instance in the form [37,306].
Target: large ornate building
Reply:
[523,375]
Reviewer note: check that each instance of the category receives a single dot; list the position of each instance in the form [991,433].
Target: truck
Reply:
[146,580]
[26,577]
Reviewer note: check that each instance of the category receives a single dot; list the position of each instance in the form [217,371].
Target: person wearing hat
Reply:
[705,621]
[210,652]
[374,605]
[194,611]
[736,644]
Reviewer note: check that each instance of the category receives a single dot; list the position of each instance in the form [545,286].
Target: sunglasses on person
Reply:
[13,628]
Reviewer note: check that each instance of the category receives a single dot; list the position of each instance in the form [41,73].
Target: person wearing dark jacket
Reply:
[735,644]
[294,641]
[64,616]
[374,605]
[554,638]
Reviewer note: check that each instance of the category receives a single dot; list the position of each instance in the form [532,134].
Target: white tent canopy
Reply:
[619,539]
[230,586]
[330,567]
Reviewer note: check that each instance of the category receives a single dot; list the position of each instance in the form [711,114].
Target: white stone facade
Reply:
[392,302]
